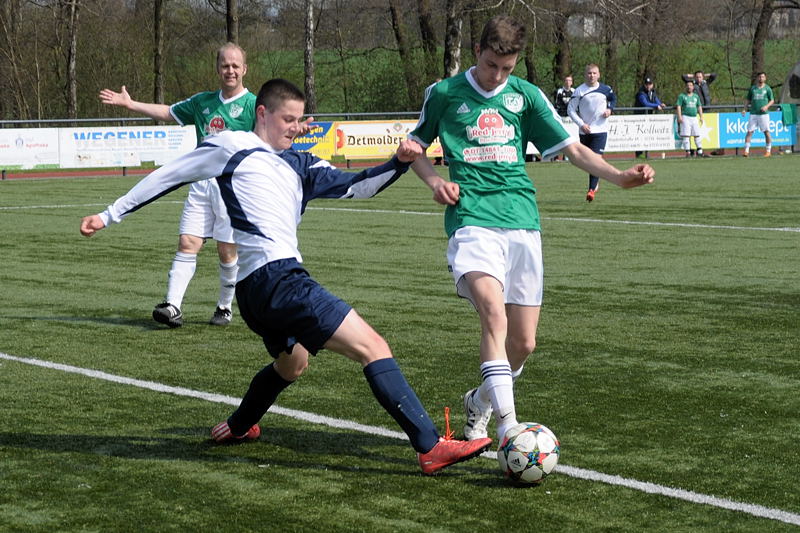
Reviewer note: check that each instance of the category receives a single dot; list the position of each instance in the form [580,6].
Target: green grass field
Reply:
[668,356]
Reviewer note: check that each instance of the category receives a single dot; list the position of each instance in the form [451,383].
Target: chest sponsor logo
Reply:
[235,110]
[490,129]
[513,102]
[215,125]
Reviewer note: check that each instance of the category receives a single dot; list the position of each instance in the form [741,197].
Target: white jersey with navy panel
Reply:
[588,105]
[265,191]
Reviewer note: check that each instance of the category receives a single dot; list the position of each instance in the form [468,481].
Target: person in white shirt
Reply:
[589,108]
[266,186]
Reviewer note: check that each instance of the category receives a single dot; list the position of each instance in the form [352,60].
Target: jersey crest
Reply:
[513,102]
[235,110]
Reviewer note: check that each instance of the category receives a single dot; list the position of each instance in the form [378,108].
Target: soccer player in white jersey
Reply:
[484,118]
[589,108]
[232,107]
[266,186]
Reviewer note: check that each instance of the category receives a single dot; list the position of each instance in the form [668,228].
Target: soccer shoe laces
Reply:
[448,434]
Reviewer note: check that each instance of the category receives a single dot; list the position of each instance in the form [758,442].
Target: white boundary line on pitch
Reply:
[580,473]
[429,213]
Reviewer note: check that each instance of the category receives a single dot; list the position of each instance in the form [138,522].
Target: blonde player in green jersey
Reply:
[759,100]
[484,118]
[232,107]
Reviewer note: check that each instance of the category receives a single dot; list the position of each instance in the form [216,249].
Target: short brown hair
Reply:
[503,35]
[276,91]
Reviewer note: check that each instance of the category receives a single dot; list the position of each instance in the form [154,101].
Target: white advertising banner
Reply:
[123,146]
[24,148]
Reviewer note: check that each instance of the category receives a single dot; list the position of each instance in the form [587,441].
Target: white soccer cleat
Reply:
[477,419]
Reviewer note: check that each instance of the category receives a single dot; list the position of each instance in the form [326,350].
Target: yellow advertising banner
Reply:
[375,139]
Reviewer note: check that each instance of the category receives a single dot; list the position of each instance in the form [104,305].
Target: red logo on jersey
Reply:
[490,120]
[216,125]
[490,128]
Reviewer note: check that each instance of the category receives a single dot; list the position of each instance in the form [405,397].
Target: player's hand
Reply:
[586,129]
[91,225]
[123,99]
[408,151]
[446,193]
[607,113]
[637,176]
[305,127]
[744,112]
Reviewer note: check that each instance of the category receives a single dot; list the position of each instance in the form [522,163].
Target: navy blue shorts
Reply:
[595,141]
[285,306]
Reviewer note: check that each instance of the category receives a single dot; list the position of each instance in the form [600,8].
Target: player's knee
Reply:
[521,347]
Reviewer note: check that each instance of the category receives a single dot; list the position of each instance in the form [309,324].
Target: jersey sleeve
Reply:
[320,179]
[183,111]
[427,129]
[204,162]
[543,127]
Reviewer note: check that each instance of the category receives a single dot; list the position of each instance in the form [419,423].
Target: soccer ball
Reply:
[529,453]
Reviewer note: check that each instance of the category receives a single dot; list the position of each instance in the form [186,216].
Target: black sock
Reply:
[264,390]
[393,392]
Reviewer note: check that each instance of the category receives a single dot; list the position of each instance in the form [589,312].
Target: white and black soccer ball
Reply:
[529,453]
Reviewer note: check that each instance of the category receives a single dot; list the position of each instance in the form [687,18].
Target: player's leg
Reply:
[226,249]
[180,274]
[767,137]
[265,387]
[496,380]
[752,124]
[228,269]
[358,341]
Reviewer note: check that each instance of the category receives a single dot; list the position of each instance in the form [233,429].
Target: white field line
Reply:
[430,213]
[580,473]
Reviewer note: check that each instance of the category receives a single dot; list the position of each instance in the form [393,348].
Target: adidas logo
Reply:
[463,108]
[206,111]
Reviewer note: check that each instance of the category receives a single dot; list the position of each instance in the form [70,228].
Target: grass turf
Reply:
[667,354]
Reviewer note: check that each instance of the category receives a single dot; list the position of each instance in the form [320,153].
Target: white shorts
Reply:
[512,256]
[758,122]
[204,213]
[690,127]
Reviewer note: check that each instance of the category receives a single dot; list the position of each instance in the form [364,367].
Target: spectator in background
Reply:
[701,83]
[562,96]
[647,97]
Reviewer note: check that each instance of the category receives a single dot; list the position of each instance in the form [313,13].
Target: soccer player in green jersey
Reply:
[689,112]
[484,119]
[759,100]
[232,107]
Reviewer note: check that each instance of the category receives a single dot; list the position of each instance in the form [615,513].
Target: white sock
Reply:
[685,143]
[183,267]
[768,148]
[227,283]
[746,147]
[516,373]
[500,388]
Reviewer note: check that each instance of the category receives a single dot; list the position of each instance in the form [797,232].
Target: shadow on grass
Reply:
[283,447]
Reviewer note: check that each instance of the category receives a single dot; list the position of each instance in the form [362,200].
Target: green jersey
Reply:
[758,98]
[210,114]
[689,104]
[484,137]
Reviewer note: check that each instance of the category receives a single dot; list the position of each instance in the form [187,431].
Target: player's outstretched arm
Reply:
[583,158]
[123,99]
[91,225]
[409,151]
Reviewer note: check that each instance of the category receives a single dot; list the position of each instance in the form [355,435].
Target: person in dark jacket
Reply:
[647,97]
